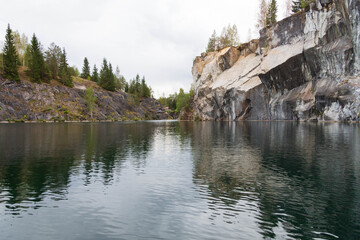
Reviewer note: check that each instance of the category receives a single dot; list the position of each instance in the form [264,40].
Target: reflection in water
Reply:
[180,180]
[303,178]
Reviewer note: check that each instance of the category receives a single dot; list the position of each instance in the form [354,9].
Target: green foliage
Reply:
[74,71]
[120,81]
[90,99]
[52,59]
[141,90]
[95,75]
[86,69]
[27,55]
[64,73]
[21,42]
[183,100]
[107,80]
[301,5]
[213,42]
[10,57]
[271,13]
[37,69]
[229,37]
[177,102]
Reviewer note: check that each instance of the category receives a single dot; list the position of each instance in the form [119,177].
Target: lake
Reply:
[180,180]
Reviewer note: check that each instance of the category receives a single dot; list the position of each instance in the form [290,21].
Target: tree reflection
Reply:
[39,160]
[302,175]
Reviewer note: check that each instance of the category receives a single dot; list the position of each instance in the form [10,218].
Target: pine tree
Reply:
[272,13]
[86,69]
[37,69]
[95,75]
[212,44]
[64,73]
[10,57]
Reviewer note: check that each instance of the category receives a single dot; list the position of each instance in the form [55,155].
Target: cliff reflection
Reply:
[295,173]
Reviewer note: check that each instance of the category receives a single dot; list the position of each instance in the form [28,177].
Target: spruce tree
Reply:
[103,71]
[37,69]
[111,79]
[10,57]
[86,69]
[64,73]
[272,13]
[107,80]
[95,75]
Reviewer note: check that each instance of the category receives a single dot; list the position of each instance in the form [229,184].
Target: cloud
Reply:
[157,38]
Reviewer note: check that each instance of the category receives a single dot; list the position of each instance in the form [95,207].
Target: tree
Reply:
[229,37]
[107,80]
[95,74]
[10,57]
[119,79]
[21,42]
[74,71]
[52,59]
[296,6]
[37,69]
[262,15]
[86,69]
[145,90]
[64,73]
[272,13]
[301,5]
[90,99]
[183,100]
[212,44]
[27,56]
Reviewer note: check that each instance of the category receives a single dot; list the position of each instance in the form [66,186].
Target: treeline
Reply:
[178,101]
[229,37]
[267,16]
[42,66]
[112,81]
[268,10]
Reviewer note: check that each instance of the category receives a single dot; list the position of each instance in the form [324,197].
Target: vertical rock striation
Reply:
[302,68]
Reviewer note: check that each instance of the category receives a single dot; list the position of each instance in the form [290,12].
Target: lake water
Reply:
[180,180]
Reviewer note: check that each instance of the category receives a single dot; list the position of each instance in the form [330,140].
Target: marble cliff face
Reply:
[305,67]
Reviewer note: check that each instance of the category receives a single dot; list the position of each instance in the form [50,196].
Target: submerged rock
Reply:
[305,67]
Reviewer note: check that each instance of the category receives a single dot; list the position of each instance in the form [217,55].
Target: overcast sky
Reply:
[155,38]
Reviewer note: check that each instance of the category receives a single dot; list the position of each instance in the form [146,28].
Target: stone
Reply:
[304,67]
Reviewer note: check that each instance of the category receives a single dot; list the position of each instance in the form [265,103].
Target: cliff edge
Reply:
[305,67]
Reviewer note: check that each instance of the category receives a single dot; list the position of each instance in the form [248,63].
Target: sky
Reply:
[158,39]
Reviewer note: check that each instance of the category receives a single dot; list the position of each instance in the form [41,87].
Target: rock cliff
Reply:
[28,101]
[305,67]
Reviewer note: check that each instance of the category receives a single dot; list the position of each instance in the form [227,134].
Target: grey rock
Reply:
[303,67]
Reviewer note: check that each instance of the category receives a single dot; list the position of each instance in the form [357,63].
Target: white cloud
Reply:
[157,38]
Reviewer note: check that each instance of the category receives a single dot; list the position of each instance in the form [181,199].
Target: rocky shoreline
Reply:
[32,102]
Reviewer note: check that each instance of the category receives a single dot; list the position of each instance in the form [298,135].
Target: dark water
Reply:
[180,180]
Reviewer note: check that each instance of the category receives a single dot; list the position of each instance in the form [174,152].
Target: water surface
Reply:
[180,180]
